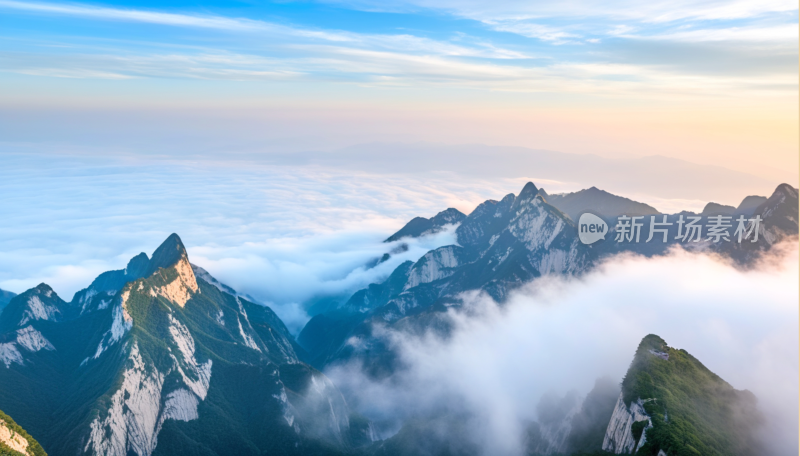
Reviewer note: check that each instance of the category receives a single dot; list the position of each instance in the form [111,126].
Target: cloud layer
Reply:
[564,49]
[281,234]
[558,335]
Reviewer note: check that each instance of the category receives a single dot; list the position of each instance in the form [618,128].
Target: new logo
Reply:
[591,228]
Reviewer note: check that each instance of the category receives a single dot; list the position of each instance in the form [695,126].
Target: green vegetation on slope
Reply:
[694,411]
[33,446]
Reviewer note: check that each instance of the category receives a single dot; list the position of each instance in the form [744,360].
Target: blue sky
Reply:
[625,74]
[504,45]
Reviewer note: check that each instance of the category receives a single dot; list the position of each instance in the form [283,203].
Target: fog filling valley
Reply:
[284,235]
[287,235]
[556,336]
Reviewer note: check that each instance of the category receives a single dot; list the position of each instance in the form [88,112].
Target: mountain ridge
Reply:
[500,245]
[143,370]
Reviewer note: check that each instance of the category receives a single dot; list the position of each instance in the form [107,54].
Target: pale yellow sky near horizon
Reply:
[756,131]
[712,82]
[752,134]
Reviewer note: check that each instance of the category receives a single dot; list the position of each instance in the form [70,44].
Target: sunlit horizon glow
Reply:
[712,82]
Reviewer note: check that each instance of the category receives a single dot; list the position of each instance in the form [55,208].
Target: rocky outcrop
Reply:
[28,339]
[501,245]
[140,406]
[37,304]
[129,426]
[33,340]
[180,289]
[153,351]
[434,265]
[619,437]
[12,439]
[420,226]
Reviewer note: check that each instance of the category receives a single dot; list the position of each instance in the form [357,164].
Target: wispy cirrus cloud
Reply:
[548,33]
[587,21]
[786,33]
[303,53]
[398,42]
[134,15]
[378,67]
[656,11]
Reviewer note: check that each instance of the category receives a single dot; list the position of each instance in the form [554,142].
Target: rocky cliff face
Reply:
[12,440]
[159,366]
[619,436]
[503,244]
[37,304]
[672,404]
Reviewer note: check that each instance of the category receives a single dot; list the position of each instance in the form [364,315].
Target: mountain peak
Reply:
[664,386]
[167,254]
[599,202]
[38,303]
[529,190]
[137,266]
[171,254]
[784,195]
[43,288]
[718,209]
[750,203]
[528,193]
[449,215]
[786,190]
[419,226]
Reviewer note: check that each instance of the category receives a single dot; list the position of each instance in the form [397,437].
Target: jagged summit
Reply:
[44,288]
[750,203]
[718,209]
[171,273]
[528,193]
[420,226]
[138,264]
[599,202]
[165,363]
[170,252]
[787,190]
[114,280]
[38,303]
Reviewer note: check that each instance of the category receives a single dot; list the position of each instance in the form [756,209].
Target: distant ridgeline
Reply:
[502,245]
[160,358]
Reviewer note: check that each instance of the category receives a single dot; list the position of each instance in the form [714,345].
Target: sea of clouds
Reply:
[558,335]
[289,234]
[282,234]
